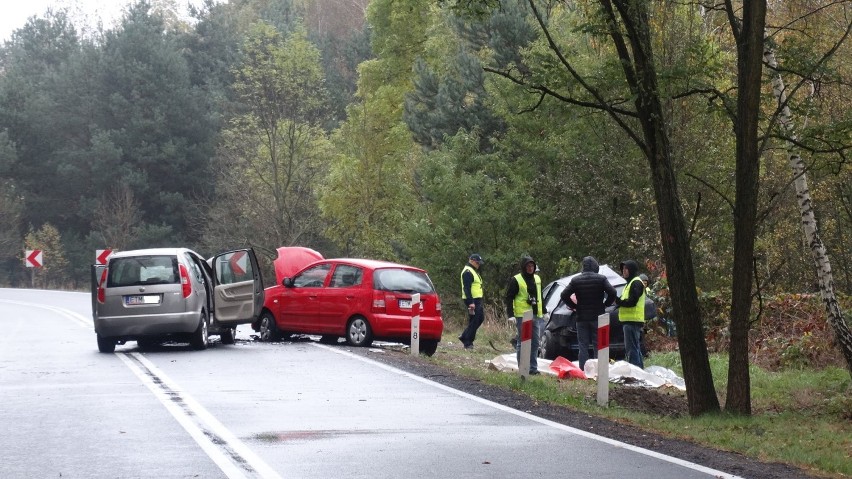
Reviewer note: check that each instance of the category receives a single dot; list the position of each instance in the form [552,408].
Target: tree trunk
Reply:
[686,313]
[749,69]
[700,392]
[629,29]
[809,223]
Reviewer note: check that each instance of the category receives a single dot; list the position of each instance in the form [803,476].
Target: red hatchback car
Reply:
[358,299]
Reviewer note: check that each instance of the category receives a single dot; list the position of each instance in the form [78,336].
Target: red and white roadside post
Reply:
[603,359]
[415,324]
[526,344]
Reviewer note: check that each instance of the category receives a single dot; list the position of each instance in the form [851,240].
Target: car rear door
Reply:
[238,287]
[399,284]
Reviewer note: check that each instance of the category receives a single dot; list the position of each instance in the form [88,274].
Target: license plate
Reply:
[142,299]
[406,304]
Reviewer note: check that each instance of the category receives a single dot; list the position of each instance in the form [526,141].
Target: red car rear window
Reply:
[402,280]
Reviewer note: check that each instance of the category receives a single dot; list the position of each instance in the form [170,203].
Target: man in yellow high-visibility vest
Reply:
[523,293]
[471,283]
[631,311]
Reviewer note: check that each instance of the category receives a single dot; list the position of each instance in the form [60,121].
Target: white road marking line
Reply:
[232,456]
[78,318]
[547,422]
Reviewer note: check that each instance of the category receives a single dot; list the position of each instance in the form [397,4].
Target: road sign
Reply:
[101,255]
[238,262]
[33,258]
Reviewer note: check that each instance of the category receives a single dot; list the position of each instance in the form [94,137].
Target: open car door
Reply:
[96,272]
[238,287]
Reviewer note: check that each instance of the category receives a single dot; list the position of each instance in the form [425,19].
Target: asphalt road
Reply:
[255,409]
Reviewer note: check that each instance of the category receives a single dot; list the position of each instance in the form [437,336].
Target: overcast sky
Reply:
[14,13]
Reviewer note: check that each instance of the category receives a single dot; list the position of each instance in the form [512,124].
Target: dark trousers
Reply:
[633,343]
[474,321]
[587,335]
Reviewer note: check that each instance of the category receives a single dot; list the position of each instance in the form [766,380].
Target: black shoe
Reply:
[533,373]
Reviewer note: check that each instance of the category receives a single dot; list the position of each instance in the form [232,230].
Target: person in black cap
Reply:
[471,282]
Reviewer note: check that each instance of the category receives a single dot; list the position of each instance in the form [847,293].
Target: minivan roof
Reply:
[149,252]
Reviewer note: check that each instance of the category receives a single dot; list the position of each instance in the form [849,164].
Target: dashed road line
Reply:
[232,456]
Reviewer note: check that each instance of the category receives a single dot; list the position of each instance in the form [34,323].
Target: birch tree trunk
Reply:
[809,223]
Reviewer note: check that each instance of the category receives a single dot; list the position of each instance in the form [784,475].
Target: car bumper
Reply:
[148,325]
[399,327]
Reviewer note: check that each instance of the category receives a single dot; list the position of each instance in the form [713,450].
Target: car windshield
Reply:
[402,280]
[140,270]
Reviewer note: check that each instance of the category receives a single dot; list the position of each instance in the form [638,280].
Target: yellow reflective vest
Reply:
[476,286]
[633,313]
[521,303]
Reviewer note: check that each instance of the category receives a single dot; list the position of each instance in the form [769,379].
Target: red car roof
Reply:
[373,263]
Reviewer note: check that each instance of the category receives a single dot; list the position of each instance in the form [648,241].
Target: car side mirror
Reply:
[287,282]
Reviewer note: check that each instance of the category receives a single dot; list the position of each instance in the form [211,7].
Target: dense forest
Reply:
[420,132]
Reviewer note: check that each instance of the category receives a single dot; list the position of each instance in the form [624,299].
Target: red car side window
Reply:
[345,276]
[313,277]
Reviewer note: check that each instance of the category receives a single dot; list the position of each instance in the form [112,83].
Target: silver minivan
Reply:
[160,294]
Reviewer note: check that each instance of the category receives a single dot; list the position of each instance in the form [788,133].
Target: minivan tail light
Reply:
[438,306]
[186,286]
[379,302]
[101,290]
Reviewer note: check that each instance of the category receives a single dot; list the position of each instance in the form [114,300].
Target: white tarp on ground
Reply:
[509,362]
[620,372]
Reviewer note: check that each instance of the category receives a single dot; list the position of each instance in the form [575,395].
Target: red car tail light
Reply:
[101,291]
[186,286]
[379,302]
[438,306]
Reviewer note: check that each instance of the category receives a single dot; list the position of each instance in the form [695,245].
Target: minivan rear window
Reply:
[141,270]
[402,280]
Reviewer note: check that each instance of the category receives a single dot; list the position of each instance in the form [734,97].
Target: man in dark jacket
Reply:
[593,295]
[631,311]
[523,293]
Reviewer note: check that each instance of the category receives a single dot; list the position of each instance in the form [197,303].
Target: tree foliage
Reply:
[270,158]
[402,130]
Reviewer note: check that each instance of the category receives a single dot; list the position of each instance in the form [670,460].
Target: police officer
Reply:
[471,283]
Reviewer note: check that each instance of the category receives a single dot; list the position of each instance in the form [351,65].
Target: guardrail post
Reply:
[525,339]
[415,324]
[603,359]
